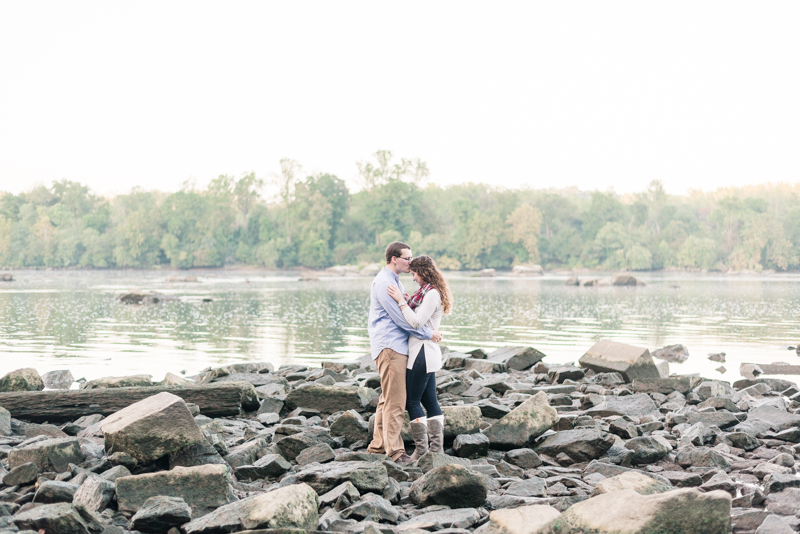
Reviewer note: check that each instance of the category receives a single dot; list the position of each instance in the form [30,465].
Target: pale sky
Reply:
[539,94]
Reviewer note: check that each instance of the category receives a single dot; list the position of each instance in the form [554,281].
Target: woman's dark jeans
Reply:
[421,387]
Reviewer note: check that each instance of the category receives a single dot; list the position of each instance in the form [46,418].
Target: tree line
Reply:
[316,221]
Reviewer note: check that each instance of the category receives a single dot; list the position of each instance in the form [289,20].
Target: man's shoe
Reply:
[404,460]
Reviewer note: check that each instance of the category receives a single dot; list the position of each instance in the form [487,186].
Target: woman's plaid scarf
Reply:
[416,298]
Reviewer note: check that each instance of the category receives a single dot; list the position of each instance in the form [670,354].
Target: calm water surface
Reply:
[58,320]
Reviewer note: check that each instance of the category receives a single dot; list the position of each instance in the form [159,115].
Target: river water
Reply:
[70,319]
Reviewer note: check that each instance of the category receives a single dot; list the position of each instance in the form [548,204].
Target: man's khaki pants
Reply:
[391,405]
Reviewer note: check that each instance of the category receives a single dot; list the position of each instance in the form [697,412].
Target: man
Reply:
[388,337]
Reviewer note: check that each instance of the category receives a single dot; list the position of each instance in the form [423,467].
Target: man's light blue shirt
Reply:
[387,327]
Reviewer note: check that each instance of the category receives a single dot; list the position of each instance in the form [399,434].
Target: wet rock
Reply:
[533,519]
[366,476]
[58,518]
[629,361]
[54,491]
[289,507]
[21,474]
[95,493]
[682,511]
[151,428]
[49,455]
[648,449]
[517,358]
[523,424]
[21,380]
[61,379]
[351,426]
[372,507]
[160,513]
[119,382]
[580,445]
[672,353]
[450,485]
[330,399]
[204,488]
[471,445]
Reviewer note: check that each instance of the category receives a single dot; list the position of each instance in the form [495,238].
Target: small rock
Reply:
[672,353]
[450,485]
[58,518]
[53,491]
[53,455]
[471,445]
[61,379]
[95,493]
[21,380]
[21,474]
[523,424]
[160,513]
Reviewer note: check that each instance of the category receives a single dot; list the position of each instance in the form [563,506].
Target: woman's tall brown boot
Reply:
[419,431]
[436,435]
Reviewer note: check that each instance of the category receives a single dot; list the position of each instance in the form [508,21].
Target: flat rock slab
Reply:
[665,386]
[151,428]
[58,518]
[637,405]
[441,519]
[778,419]
[289,507]
[682,511]
[581,445]
[612,357]
[330,399]
[532,519]
[366,476]
[204,488]
[53,455]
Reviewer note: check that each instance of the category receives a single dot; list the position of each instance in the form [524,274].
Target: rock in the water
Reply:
[523,424]
[151,428]
[625,279]
[53,491]
[160,513]
[527,270]
[351,426]
[5,422]
[672,353]
[48,455]
[517,358]
[330,399]
[631,480]
[289,507]
[95,493]
[581,445]
[61,379]
[21,474]
[119,382]
[204,488]
[471,445]
[366,476]
[682,511]
[58,518]
[450,485]
[533,519]
[612,357]
[21,380]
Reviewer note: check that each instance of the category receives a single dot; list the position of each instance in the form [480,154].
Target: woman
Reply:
[424,308]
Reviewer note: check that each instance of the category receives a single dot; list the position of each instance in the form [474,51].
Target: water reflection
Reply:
[52,320]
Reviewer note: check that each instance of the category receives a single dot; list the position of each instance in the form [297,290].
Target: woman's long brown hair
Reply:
[426,268]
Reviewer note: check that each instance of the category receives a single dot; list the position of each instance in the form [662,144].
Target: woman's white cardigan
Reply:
[429,314]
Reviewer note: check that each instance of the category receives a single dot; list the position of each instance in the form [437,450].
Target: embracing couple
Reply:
[404,337]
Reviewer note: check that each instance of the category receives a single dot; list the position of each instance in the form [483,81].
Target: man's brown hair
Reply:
[393,250]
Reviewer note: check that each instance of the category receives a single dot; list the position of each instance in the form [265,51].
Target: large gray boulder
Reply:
[330,399]
[61,379]
[517,358]
[450,485]
[53,455]
[366,476]
[58,518]
[289,507]
[523,424]
[533,519]
[27,379]
[612,357]
[151,428]
[204,488]
[581,445]
[160,513]
[681,511]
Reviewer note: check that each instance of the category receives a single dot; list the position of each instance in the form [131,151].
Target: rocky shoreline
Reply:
[611,445]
